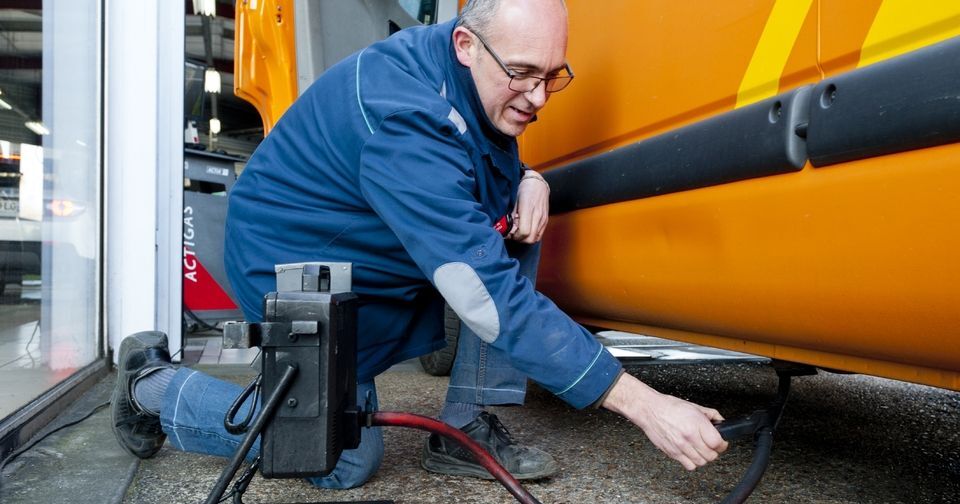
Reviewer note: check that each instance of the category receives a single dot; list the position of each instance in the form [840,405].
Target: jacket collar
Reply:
[464,91]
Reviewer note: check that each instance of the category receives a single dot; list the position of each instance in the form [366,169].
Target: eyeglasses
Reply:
[527,83]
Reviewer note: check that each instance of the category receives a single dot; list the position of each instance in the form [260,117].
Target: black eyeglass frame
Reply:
[565,79]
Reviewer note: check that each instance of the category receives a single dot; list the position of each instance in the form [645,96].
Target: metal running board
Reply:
[648,350]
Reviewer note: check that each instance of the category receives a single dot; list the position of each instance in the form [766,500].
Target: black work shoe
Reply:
[137,429]
[444,456]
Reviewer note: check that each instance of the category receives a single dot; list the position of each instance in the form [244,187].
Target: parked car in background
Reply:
[20,240]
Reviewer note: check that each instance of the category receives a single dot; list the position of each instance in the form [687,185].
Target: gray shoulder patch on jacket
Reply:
[463,290]
[457,120]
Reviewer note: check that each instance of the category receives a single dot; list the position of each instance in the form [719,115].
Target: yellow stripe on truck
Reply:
[904,25]
[762,79]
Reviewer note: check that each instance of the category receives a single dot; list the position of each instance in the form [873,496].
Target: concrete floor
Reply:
[844,439]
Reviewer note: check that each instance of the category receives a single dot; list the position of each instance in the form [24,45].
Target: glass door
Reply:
[50,184]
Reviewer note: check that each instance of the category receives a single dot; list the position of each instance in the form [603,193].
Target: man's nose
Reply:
[538,95]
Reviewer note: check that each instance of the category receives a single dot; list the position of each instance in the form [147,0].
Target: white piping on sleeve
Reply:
[584,373]
[359,101]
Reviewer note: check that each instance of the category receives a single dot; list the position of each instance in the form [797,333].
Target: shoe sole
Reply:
[443,464]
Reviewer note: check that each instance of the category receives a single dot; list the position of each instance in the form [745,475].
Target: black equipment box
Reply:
[310,323]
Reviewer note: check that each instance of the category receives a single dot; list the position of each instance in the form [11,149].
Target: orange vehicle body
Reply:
[265,59]
[850,267]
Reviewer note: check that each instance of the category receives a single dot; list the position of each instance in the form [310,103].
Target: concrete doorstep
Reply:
[79,464]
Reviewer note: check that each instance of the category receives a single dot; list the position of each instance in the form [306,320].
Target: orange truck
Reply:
[775,177]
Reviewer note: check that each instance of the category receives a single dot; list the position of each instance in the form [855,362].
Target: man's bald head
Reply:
[478,15]
[530,39]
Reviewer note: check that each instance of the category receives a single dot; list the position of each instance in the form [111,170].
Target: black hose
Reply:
[761,459]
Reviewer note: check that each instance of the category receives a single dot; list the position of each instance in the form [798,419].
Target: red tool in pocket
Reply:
[504,225]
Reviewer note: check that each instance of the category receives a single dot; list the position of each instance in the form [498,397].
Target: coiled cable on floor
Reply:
[201,324]
[387,418]
[45,435]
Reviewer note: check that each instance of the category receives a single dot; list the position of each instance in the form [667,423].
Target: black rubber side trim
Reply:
[754,141]
[908,102]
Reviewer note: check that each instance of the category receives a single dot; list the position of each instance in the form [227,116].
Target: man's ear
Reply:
[465,46]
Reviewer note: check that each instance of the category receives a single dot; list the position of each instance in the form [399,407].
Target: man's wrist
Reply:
[631,398]
[529,174]
[599,402]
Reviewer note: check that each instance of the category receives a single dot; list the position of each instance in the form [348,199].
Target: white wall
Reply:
[144,167]
[446,10]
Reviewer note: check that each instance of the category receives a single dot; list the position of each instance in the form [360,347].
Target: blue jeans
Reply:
[192,417]
[194,403]
[482,374]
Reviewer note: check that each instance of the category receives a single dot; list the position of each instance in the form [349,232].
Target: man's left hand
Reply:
[533,208]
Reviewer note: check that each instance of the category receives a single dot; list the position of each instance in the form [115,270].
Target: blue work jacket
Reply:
[389,162]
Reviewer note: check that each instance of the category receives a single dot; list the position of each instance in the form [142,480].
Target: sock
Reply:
[459,414]
[148,390]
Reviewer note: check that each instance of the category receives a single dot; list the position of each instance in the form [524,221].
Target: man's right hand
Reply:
[681,429]
[532,211]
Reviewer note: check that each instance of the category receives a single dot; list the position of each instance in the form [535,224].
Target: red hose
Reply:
[387,418]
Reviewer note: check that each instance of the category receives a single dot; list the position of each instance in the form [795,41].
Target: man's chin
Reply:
[511,128]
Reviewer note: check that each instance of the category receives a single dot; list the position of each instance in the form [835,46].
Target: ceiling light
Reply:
[215,126]
[37,127]
[211,81]
[205,7]
[4,105]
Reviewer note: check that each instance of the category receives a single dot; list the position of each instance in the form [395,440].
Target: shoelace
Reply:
[502,429]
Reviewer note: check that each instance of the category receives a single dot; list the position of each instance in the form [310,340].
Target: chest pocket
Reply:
[497,180]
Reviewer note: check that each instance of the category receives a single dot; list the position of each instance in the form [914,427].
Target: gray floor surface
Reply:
[844,439]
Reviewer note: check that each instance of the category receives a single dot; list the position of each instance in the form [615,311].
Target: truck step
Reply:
[642,349]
